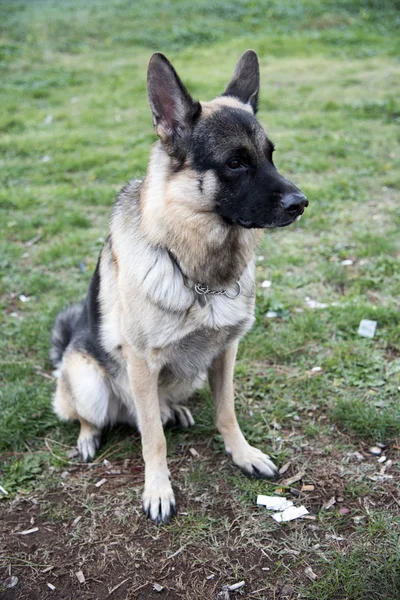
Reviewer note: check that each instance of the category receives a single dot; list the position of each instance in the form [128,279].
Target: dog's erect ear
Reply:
[245,82]
[174,110]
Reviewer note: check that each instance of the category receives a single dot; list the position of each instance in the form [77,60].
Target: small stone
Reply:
[80,577]
[72,453]
[310,574]
[11,582]
[347,262]
[271,314]
[356,455]
[266,283]
[375,450]
[157,587]
[357,520]
[329,503]
[287,593]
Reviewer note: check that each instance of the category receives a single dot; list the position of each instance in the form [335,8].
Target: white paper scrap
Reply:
[266,284]
[274,502]
[28,531]
[315,303]
[367,328]
[294,512]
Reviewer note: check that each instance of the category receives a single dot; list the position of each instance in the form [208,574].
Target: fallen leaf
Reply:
[100,483]
[307,488]
[284,468]
[291,480]
[47,569]
[344,511]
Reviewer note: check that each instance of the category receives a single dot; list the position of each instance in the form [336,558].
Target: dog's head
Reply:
[221,148]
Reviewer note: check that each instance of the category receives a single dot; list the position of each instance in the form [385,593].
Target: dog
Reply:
[174,287]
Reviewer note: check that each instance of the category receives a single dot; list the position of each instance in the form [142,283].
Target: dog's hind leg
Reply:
[83,394]
[172,404]
[89,440]
[250,460]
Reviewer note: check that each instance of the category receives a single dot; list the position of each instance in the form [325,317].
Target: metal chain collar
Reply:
[204,290]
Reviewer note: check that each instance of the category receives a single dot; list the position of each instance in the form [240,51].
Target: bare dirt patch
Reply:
[217,539]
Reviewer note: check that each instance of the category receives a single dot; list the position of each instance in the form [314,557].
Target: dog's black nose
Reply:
[294,204]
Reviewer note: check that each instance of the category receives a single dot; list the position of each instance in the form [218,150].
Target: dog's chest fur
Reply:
[145,302]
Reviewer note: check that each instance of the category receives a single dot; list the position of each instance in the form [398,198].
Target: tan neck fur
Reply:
[178,214]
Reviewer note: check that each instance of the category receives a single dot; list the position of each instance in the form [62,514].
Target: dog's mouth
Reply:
[273,225]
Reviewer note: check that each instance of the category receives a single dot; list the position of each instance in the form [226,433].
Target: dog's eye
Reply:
[235,164]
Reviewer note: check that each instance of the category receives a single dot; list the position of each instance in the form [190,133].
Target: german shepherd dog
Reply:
[174,287]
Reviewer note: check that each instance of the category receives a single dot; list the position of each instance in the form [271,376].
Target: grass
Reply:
[75,125]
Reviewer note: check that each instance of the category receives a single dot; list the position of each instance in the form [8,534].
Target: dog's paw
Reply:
[159,500]
[88,446]
[255,463]
[177,415]
[183,416]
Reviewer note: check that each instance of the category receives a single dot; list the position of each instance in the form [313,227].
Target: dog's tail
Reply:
[63,330]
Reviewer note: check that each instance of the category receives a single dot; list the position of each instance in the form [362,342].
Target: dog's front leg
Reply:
[250,460]
[158,497]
